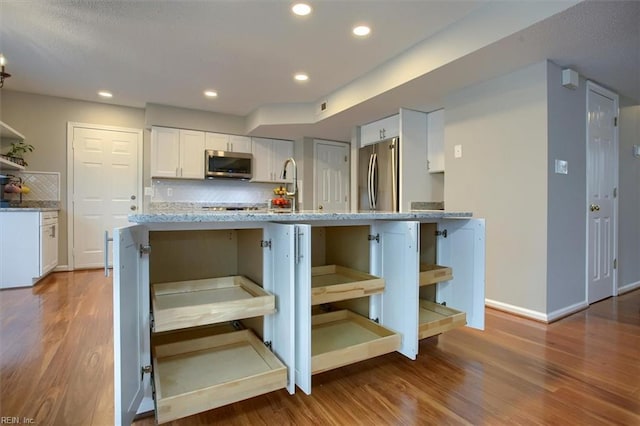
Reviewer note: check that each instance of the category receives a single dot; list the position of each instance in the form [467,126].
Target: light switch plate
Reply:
[562,167]
[457,151]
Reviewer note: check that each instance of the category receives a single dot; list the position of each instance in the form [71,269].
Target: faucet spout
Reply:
[293,194]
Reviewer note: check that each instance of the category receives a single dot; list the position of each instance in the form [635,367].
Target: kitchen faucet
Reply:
[294,193]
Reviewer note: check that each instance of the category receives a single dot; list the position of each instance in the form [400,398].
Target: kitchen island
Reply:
[270,299]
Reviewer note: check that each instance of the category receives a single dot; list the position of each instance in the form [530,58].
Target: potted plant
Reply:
[18,150]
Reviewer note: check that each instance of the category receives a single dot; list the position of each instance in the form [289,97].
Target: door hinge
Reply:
[152,321]
[615,263]
[346,159]
[376,320]
[441,233]
[444,303]
[615,192]
[268,344]
[145,249]
[265,244]
[146,369]
[374,237]
[615,121]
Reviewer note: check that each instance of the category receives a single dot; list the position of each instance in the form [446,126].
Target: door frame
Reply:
[315,169]
[71,126]
[592,86]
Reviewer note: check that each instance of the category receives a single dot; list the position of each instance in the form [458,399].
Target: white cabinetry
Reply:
[177,153]
[380,130]
[28,246]
[269,156]
[224,142]
[435,141]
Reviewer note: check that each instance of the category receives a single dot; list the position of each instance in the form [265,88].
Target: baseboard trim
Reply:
[628,287]
[535,315]
[62,268]
[517,310]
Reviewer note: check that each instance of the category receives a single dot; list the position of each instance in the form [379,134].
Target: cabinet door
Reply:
[19,248]
[191,154]
[240,144]
[396,258]
[48,248]
[280,279]
[379,130]
[303,308]
[463,250]
[165,152]
[130,321]
[262,160]
[216,141]
[435,141]
[281,150]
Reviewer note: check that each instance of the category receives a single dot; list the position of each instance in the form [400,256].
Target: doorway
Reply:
[104,180]
[602,182]
[330,176]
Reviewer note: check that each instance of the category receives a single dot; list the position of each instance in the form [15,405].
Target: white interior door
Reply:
[106,187]
[602,166]
[331,176]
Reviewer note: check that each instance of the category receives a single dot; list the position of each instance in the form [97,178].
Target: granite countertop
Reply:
[183,215]
[32,206]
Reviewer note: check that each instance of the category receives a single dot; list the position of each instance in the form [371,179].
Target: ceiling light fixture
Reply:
[105,94]
[3,74]
[301,76]
[301,9]
[211,93]
[361,30]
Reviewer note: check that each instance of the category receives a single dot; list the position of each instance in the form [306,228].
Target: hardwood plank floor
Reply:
[56,367]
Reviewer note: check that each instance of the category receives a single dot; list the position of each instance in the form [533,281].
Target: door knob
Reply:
[594,207]
[133,208]
[133,197]
[320,207]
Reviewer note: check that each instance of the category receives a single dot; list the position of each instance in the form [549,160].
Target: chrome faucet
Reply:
[294,193]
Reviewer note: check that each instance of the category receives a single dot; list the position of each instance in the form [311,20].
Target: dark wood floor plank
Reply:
[56,366]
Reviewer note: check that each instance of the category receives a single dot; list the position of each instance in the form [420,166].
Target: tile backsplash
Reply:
[213,191]
[44,186]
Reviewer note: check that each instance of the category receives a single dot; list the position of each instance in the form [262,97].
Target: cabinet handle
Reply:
[106,253]
[177,172]
[53,231]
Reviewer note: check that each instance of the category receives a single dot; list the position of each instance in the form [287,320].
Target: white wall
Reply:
[629,197]
[502,176]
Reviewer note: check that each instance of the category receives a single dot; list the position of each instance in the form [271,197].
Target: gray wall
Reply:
[43,121]
[629,196]
[566,216]
[502,176]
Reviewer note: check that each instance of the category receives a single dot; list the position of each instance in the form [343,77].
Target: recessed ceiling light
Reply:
[301,76]
[211,93]
[301,9]
[105,94]
[361,30]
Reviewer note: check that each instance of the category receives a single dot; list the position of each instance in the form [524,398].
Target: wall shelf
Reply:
[8,132]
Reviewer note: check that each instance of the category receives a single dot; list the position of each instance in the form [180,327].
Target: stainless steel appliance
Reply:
[378,176]
[225,164]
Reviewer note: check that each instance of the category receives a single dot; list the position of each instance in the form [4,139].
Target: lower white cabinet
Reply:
[28,246]
[212,313]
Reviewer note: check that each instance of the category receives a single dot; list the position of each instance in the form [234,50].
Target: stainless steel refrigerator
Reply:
[378,176]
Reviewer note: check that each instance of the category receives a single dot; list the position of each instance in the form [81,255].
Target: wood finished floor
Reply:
[56,367]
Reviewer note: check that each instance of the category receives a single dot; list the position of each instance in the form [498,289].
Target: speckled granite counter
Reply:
[32,206]
[172,216]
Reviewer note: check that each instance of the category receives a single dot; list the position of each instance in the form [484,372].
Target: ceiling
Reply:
[169,52]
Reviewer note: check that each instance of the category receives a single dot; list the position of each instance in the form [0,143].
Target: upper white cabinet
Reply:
[435,141]
[177,153]
[224,142]
[380,130]
[269,156]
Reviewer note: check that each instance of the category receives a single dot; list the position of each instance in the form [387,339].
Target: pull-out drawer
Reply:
[195,375]
[332,283]
[432,274]
[341,338]
[435,319]
[199,302]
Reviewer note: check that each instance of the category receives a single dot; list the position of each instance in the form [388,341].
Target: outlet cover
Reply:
[457,151]
[562,167]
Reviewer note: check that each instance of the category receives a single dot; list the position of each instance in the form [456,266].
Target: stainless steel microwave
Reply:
[225,164]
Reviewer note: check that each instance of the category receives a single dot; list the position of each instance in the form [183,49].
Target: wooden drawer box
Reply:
[332,283]
[192,376]
[432,274]
[192,303]
[340,338]
[435,319]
